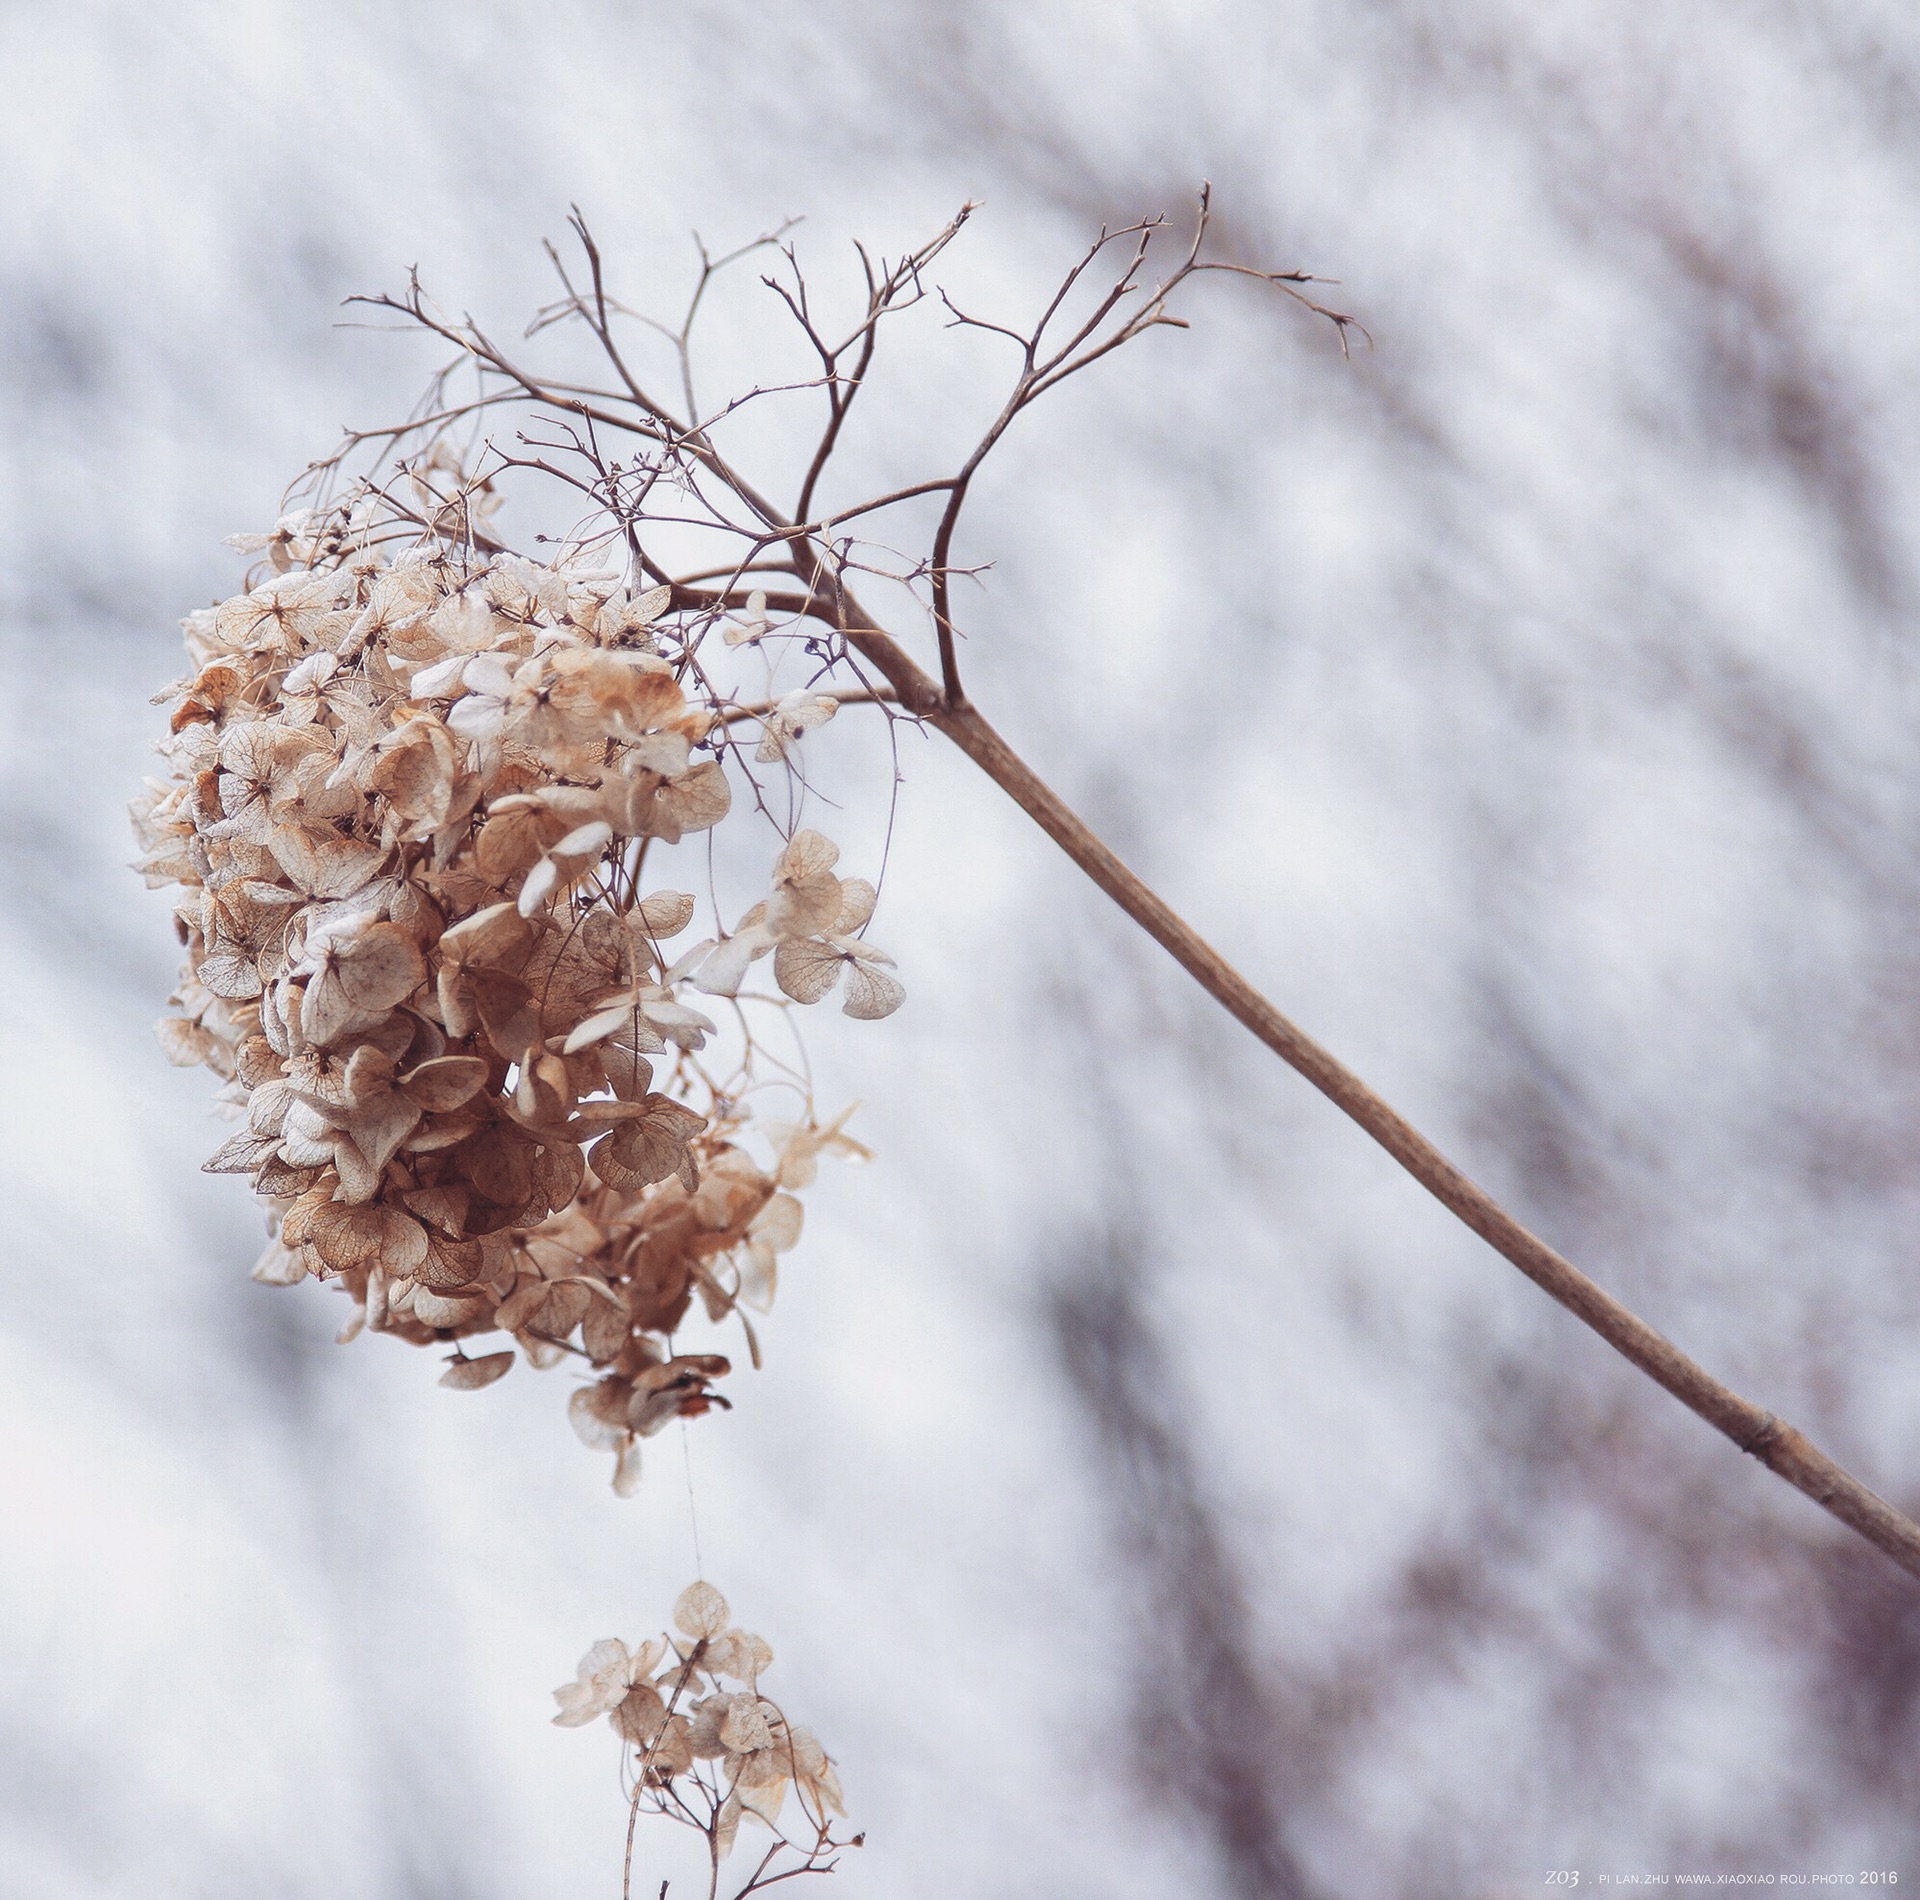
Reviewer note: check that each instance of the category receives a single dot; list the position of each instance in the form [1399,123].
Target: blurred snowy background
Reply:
[1148,1492]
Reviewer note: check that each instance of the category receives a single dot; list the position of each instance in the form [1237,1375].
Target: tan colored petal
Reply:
[639,1153]
[445,1082]
[623,1057]
[745,1729]
[513,838]
[506,1011]
[380,968]
[469,1375]
[441,1310]
[641,1715]
[348,1237]
[495,938]
[696,802]
[605,1330]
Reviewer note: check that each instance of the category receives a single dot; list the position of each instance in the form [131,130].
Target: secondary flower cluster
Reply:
[409,801]
[695,1698]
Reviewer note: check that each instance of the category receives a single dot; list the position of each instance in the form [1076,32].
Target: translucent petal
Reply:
[700,1611]
[778,1223]
[585,1411]
[872,993]
[857,899]
[666,913]
[724,969]
[807,970]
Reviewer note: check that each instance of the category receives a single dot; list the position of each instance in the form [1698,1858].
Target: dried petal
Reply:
[666,913]
[469,1375]
[700,1611]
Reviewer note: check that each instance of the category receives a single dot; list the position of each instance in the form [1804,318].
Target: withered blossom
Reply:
[711,1750]
[809,921]
[792,714]
[409,797]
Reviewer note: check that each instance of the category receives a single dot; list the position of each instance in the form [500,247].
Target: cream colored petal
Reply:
[667,753]
[778,1223]
[585,840]
[240,1154]
[440,680]
[763,1798]
[538,887]
[587,1412]
[759,1278]
[598,1027]
[724,969]
[626,1469]
[359,1177]
[279,1266]
[807,854]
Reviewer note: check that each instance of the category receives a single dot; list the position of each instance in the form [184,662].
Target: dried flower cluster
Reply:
[709,1749]
[410,799]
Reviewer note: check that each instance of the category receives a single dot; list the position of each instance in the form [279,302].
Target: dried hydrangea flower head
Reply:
[707,1747]
[411,788]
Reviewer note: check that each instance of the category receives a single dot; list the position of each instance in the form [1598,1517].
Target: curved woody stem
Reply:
[1786,1452]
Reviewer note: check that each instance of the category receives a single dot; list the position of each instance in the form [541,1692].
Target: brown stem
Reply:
[1783,1450]
[1777,1445]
